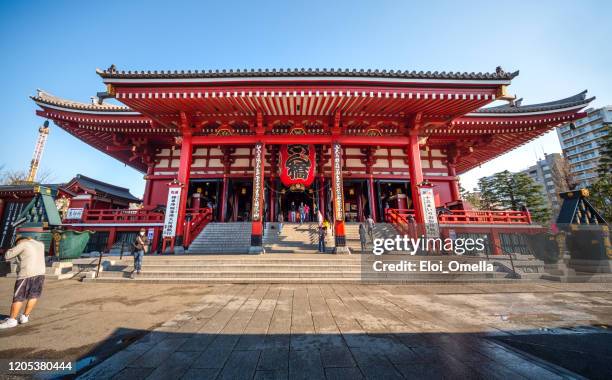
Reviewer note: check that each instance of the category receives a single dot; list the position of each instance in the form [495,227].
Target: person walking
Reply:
[301,209]
[141,245]
[30,257]
[306,213]
[281,219]
[292,213]
[362,237]
[322,236]
[327,226]
[370,227]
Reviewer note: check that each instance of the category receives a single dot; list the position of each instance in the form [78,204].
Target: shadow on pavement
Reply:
[586,351]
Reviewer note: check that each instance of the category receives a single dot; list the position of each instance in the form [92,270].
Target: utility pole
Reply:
[43,133]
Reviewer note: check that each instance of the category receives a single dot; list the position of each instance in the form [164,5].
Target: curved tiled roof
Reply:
[46,98]
[103,187]
[576,100]
[112,72]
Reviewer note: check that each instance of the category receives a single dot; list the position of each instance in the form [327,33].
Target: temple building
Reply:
[248,145]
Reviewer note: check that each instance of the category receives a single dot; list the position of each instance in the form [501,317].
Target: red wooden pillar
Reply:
[112,235]
[257,205]
[183,179]
[322,193]
[338,201]
[372,197]
[496,246]
[455,193]
[416,176]
[156,233]
[146,199]
[360,212]
[224,199]
[272,200]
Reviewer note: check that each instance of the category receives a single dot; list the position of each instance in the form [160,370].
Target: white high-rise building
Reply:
[548,173]
[581,142]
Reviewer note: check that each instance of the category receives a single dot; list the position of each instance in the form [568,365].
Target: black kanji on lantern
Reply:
[298,161]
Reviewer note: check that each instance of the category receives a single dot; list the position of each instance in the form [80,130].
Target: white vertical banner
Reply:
[430,215]
[172,209]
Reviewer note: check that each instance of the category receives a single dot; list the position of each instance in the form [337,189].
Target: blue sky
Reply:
[560,47]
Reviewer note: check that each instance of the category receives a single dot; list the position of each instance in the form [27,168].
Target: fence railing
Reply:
[484,217]
[403,219]
[121,216]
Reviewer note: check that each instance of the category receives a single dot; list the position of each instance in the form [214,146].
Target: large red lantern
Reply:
[297,164]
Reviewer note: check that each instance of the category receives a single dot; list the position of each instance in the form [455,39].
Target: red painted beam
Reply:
[301,139]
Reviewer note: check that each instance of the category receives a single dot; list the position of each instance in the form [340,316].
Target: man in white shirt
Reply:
[370,227]
[30,257]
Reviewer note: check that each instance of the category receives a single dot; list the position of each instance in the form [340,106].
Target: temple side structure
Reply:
[250,145]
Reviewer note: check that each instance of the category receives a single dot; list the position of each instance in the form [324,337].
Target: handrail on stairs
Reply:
[195,223]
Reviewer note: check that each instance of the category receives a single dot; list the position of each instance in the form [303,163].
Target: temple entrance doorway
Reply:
[204,193]
[393,194]
[239,200]
[290,201]
[356,200]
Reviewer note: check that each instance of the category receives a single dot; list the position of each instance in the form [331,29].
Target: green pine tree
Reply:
[600,196]
[601,191]
[488,197]
[605,153]
[514,191]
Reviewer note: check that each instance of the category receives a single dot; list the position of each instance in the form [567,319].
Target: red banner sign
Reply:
[297,164]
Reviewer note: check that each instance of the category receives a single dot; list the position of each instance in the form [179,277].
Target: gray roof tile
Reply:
[517,107]
[112,72]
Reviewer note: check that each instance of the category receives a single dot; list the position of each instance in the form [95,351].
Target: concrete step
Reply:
[253,267]
[303,274]
[291,280]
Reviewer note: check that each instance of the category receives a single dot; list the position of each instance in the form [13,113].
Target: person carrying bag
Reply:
[141,246]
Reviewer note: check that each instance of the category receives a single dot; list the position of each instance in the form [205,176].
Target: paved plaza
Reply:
[269,331]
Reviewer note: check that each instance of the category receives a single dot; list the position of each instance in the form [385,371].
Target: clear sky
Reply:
[560,47]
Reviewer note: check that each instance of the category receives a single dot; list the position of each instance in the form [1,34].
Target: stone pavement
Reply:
[74,319]
[362,331]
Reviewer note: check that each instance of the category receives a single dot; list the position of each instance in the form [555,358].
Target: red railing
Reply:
[484,217]
[121,216]
[199,219]
[403,219]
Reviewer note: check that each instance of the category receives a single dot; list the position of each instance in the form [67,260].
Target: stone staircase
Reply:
[234,238]
[294,238]
[283,269]
[219,255]
[304,238]
[381,230]
[222,238]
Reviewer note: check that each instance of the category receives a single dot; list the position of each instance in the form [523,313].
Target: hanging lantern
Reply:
[297,164]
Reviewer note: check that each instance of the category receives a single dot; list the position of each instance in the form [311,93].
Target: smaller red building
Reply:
[81,199]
